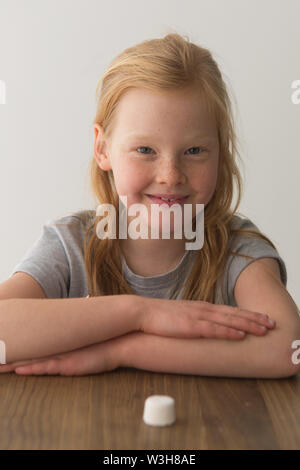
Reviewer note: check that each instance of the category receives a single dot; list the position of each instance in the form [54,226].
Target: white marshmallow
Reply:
[159,410]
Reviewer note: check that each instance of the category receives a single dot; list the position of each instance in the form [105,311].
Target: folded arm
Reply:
[259,289]
[34,328]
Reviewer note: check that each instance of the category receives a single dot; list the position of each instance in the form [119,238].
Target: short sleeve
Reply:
[253,247]
[47,263]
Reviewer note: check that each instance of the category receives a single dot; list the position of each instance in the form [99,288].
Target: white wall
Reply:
[52,53]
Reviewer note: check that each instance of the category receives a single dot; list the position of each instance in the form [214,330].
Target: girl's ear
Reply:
[100,155]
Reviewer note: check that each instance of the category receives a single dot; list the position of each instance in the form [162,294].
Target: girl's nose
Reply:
[170,174]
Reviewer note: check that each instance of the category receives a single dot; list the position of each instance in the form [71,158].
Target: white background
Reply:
[52,54]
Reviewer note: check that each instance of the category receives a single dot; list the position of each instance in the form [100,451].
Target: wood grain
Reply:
[105,411]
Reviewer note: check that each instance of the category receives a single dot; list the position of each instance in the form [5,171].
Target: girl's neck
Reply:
[152,257]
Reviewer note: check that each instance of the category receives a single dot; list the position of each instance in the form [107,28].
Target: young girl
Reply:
[163,128]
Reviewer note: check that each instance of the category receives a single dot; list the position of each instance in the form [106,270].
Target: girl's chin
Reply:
[169,230]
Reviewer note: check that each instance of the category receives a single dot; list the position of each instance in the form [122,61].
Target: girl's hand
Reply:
[195,319]
[93,359]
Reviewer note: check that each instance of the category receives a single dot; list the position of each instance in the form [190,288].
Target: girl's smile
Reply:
[166,199]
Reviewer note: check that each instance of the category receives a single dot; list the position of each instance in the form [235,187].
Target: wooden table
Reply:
[105,411]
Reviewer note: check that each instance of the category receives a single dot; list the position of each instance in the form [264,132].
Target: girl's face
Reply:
[162,143]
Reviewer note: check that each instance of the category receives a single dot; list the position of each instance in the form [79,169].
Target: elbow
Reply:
[289,358]
[291,371]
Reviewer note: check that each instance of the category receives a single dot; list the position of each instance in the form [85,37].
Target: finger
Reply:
[241,323]
[206,329]
[241,319]
[209,329]
[209,310]
[12,365]
[260,318]
[23,370]
[50,367]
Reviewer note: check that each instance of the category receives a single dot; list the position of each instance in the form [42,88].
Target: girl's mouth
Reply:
[159,200]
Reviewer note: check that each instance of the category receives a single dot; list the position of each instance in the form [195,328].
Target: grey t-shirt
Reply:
[56,262]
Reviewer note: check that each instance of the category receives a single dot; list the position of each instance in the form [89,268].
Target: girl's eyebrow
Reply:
[196,136]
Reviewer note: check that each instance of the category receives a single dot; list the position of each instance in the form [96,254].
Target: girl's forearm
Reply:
[251,357]
[32,328]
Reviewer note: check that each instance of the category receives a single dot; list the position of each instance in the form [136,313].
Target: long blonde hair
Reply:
[169,63]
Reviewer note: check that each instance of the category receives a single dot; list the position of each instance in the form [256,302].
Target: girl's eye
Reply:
[202,149]
[142,148]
